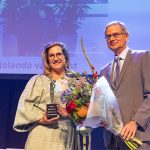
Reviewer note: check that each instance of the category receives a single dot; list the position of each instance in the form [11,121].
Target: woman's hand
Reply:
[44,120]
[62,111]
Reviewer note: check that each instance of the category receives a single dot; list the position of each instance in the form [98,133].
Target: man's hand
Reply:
[129,130]
[103,123]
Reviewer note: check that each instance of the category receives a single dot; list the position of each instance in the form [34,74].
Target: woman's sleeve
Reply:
[27,115]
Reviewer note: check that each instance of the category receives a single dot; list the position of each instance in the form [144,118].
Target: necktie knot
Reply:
[117,59]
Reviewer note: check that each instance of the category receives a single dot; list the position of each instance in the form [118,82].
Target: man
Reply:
[131,87]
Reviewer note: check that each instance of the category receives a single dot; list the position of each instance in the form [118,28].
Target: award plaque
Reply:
[51,111]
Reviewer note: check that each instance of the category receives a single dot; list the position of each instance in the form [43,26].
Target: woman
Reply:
[47,134]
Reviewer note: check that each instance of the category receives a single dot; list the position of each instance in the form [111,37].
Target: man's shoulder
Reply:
[105,68]
[140,51]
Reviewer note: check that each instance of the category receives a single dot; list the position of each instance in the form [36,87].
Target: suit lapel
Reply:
[124,68]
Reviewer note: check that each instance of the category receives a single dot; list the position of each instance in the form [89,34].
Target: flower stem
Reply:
[86,56]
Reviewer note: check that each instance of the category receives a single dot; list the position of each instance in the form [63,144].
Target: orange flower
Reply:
[82,111]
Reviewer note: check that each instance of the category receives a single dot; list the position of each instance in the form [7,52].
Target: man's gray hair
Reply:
[121,24]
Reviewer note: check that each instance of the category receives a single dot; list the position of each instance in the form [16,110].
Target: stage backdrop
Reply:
[26,26]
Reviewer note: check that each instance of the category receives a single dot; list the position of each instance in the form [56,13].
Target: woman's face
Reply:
[56,59]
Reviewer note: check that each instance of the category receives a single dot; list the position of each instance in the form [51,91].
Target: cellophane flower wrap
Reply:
[103,107]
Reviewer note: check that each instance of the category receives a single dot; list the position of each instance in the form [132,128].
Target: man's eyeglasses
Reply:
[114,35]
[59,55]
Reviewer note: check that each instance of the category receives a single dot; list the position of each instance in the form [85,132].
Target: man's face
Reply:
[116,39]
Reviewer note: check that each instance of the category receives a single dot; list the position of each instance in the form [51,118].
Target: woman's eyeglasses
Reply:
[59,55]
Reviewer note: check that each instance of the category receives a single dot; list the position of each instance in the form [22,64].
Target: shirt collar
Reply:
[124,53]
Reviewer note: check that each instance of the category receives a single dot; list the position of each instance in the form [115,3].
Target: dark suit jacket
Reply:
[133,91]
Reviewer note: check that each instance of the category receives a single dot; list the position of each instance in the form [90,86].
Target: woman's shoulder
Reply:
[39,78]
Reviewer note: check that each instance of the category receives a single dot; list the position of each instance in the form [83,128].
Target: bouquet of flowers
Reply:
[77,96]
